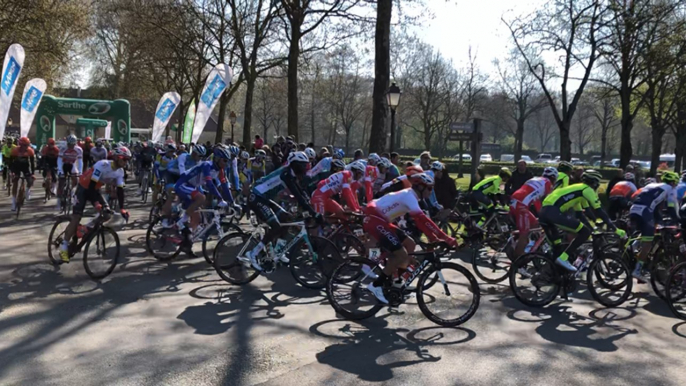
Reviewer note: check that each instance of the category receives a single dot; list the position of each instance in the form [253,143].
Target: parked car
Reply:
[486,158]
[527,159]
[507,158]
[644,164]
[578,162]
[465,157]
[544,158]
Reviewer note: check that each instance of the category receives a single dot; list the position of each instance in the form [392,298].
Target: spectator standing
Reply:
[259,142]
[277,156]
[521,175]
[395,158]
[425,160]
[359,154]
[614,180]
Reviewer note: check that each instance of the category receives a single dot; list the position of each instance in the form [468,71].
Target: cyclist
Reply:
[88,190]
[576,197]
[69,162]
[681,188]
[145,158]
[646,205]
[338,183]
[49,155]
[378,223]
[87,147]
[98,153]
[620,195]
[392,171]
[258,164]
[6,150]
[530,194]
[22,161]
[486,192]
[371,173]
[271,213]
[312,155]
[564,170]
[402,182]
[436,172]
[178,166]
[188,190]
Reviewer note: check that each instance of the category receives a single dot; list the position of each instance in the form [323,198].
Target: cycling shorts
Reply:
[324,205]
[643,220]
[170,180]
[523,217]
[266,210]
[186,193]
[551,216]
[389,236]
[21,168]
[83,195]
[481,200]
[68,169]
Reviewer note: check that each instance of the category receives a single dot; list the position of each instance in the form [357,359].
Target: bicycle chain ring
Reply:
[267,265]
[394,296]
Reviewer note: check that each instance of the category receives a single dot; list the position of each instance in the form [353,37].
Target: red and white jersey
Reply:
[103,173]
[623,189]
[371,173]
[70,156]
[396,204]
[335,183]
[533,191]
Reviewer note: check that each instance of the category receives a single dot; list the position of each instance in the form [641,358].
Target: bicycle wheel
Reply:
[163,243]
[144,188]
[348,245]
[211,239]
[534,279]
[100,260]
[55,239]
[347,289]
[312,271]
[609,280]
[454,300]
[226,258]
[491,263]
[675,290]
[155,211]
[659,271]
[20,197]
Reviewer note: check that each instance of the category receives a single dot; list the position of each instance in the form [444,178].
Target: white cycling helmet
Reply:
[550,172]
[630,177]
[438,166]
[422,179]
[297,156]
[338,163]
[245,155]
[71,140]
[384,163]
[310,153]
[373,159]
[356,166]
[260,153]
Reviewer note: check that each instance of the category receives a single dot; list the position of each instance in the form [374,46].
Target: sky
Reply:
[457,24]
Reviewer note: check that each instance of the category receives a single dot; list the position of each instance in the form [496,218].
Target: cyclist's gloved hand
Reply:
[125,214]
[222,204]
[620,232]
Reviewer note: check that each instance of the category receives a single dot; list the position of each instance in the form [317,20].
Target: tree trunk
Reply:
[293,55]
[565,142]
[625,150]
[657,133]
[347,139]
[179,127]
[219,135]
[519,139]
[247,112]
[603,146]
[382,64]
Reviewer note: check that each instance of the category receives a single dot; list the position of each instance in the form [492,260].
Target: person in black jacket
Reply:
[521,175]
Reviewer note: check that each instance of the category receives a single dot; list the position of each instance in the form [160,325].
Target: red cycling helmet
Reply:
[51,141]
[88,139]
[412,170]
[24,141]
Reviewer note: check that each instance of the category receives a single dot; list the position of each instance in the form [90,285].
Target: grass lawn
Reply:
[463,183]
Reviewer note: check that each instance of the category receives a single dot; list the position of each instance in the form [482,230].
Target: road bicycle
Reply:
[145,184]
[21,194]
[536,280]
[447,293]
[675,290]
[311,258]
[100,244]
[48,185]
[66,196]
[164,243]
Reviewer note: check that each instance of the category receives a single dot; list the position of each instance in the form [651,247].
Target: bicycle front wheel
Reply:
[609,280]
[311,267]
[101,253]
[491,263]
[453,300]
[347,289]
[661,265]
[534,279]
[163,243]
[675,290]
[211,239]
[144,188]
[230,261]
[56,238]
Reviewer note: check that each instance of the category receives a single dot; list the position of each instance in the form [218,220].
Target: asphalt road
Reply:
[177,323]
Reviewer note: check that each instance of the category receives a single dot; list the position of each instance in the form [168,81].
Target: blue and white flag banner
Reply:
[108,130]
[164,112]
[33,93]
[11,69]
[217,82]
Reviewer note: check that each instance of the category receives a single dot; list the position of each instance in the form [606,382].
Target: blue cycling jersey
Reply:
[204,173]
[681,190]
[655,194]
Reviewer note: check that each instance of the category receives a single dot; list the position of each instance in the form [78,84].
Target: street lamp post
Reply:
[232,118]
[393,100]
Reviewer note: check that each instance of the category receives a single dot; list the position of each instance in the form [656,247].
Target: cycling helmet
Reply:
[245,155]
[338,153]
[234,150]
[670,177]
[310,153]
[505,172]
[51,141]
[98,142]
[565,167]
[200,150]
[591,177]
[221,152]
[260,153]
[88,139]
[297,156]
[650,180]
[71,140]
[24,141]
[182,147]
[385,163]
[422,179]
[338,164]
[356,166]
[373,159]
[412,170]
[550,172]
[629,177]
[438,166]
[170,147]
[683,176]
[121,152]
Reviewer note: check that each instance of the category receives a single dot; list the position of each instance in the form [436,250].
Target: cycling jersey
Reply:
[489,185]
[102,172]
[6,151]
[655,194]
[371,174]
[70,156]
[257,167]
[623,189]
[396,184]
[576,197]
[323,166]
[22,160]
[51,152]
[562,181]
[181,164]
[337,183]
[681,190]
[98,154]
[392,173]
[270,185]
[532,192]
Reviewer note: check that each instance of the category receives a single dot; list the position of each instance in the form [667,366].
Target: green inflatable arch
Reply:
[117,111]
